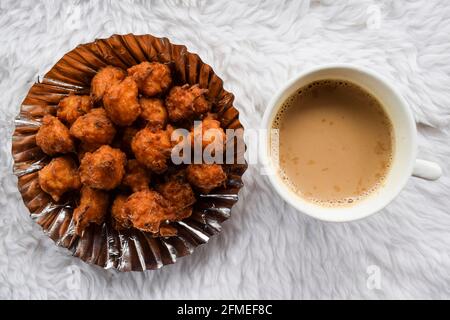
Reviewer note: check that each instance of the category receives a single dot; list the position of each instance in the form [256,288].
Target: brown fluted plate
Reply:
[102,245]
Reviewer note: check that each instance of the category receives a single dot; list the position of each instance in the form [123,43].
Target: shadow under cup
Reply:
[404,144]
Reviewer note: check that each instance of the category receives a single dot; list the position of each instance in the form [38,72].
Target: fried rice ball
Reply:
[72,107]
[59,176]
[152,77]
[179,194]
[152,149]
[205,177]
[103,80]
[154,112]
[93,208]
[53,137]
[121,102]
[185,102]
[136,176]
[94,128]
[147,209]
[103,168]
[210,133]
[120,220]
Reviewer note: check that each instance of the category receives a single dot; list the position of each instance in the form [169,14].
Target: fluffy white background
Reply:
[267,249]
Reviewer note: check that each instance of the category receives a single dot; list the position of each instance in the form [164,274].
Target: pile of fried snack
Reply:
[114,148]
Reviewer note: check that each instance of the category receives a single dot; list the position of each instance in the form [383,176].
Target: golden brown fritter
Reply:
[120,220]
[59,176]
[210,133]
[103,168]
[72,107]
[152,77]
[93,208]
[152,149]
[53,137]
[205,177]
[179,194]
[136,176]
[147,209]
[94,128]
[121,103]
[154,112]
[201,103]
[103,80]
[185,102]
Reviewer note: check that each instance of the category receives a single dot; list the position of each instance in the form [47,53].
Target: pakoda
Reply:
[103,80]
[103,168]
[152,77]
[59,176]
[119,217]
[53,137]
[186,101]
[121,102]
[94,128]
[154,112]
[205,177]
[93,208]
[152,149]
[72,107]
[147,209]
[179,194]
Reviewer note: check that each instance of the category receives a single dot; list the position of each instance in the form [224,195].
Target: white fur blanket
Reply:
[267,249]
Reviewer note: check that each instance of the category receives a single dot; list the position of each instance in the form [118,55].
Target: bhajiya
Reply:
[103,168]
[154,112]
[186,101]
[59,176]
[152,149]
[205,177]
[119,217]
[147,209]
[72,107]
[93,208]
[121,102]
[152,78]
[94,128]
[103,80]
[53,137]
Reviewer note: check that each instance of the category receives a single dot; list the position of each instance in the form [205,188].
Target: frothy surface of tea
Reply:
[335,142]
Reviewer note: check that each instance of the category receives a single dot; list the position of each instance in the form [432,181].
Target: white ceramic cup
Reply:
[404,163]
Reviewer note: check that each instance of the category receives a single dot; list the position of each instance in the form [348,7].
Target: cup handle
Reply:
[427,170]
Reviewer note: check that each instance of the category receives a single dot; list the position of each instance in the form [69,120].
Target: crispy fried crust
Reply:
[72,107]
[53,137]
[147,209]
[119,217]
[152,149]
[153,112]
[93,208]
[205,177]
[121,102]
[59,176]
[94,128]
[103,168]
[152,78]
[184,102]
[103,80]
